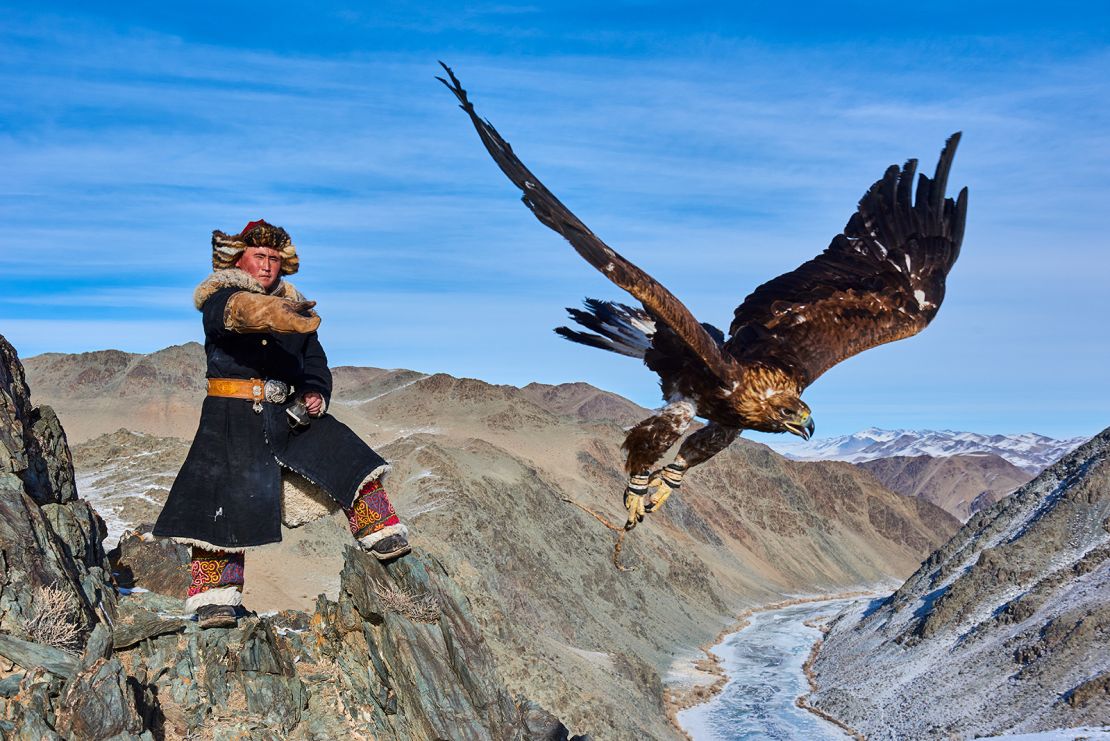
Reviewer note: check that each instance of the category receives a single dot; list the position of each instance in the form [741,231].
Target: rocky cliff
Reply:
[398,655]
[959,484]
[1002,630]
[481,474]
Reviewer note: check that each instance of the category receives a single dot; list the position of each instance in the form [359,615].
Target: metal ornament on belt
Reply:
[275,392]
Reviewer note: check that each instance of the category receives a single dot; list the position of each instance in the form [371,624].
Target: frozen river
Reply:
[764,665]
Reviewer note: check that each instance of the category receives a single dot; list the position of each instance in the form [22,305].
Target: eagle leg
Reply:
[649,440]
[696,449]
[705,443]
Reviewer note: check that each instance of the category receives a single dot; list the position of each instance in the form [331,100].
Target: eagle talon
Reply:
[634,495]
[663,483]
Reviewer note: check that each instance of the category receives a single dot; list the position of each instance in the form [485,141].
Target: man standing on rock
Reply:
[266,450]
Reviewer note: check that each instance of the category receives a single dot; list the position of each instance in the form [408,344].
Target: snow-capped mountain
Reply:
[1028,451]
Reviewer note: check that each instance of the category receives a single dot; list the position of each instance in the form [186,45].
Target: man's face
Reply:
[261,263]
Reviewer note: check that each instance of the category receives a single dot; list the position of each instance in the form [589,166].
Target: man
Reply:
[264,420]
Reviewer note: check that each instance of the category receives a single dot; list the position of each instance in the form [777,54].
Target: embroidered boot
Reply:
[216,594]
[375,524]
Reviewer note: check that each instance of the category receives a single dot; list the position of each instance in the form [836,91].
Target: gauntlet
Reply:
[258,312]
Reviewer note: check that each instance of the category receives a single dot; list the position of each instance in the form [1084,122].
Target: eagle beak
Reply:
[803,426]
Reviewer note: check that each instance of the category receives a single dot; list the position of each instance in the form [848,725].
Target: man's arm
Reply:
[316,378]
[235,310]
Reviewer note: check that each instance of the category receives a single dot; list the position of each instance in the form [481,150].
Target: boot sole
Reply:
[221,621]
[397,553]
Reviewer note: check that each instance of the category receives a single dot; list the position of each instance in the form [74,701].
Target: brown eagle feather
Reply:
[553,214]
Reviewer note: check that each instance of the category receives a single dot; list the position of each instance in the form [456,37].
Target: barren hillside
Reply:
[481,472]
[960,484]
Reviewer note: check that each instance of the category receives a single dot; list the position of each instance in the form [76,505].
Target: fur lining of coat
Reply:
[236,278]
[303,502]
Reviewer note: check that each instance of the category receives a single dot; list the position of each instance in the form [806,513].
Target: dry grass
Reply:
[423,608]
[54,618]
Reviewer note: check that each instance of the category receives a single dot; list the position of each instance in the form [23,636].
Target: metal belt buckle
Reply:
[276,392]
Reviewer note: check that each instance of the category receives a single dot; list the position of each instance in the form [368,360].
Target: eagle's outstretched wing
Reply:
[879,281]
[553,214]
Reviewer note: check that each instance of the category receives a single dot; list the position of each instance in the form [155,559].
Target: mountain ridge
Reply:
[1029,451]
[960,484]
[1003,629]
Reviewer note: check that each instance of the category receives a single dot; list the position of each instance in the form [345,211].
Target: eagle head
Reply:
[770,401]
[797,419]
[786,412]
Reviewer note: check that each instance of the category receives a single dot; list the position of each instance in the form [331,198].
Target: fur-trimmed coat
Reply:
[228,494]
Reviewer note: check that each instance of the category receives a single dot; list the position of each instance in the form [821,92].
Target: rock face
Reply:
[55,597]
[398,655]
[959,484]
[1005,629]
[481,474]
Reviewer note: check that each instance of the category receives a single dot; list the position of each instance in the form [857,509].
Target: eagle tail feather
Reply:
[622,329]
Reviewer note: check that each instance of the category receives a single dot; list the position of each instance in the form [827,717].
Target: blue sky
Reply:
[715,147]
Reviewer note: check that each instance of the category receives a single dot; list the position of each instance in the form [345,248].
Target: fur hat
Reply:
[226,248]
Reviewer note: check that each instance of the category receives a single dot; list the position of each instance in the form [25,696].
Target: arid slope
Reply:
[481,473]
[960,484]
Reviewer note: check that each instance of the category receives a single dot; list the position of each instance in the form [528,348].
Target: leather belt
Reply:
[237,388]
[252,389]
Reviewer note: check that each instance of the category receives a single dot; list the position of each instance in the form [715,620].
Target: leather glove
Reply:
[665,482]
[634,499]
[259,312]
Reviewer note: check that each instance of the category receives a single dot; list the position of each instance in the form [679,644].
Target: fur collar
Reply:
[236,278]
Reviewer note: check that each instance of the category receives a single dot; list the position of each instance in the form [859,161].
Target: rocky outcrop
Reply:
[1002,630]
[960,484]
[397,656]
[49,539]
[55,594]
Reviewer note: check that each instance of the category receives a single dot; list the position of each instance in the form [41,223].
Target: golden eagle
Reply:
[880,280]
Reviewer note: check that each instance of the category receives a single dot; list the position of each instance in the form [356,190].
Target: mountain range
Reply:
[959,484]
[1028,451]
[483,474]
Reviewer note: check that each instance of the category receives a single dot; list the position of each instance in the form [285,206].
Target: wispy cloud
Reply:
[715,162]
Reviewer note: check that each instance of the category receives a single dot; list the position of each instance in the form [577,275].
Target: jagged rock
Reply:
[98,703]
[397,655]
[29,654]
[48,539]
[136,624]
[155,564]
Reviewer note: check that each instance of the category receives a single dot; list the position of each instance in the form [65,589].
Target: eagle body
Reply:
[881,279]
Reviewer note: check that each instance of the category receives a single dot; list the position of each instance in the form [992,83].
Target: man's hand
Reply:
[314,403]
